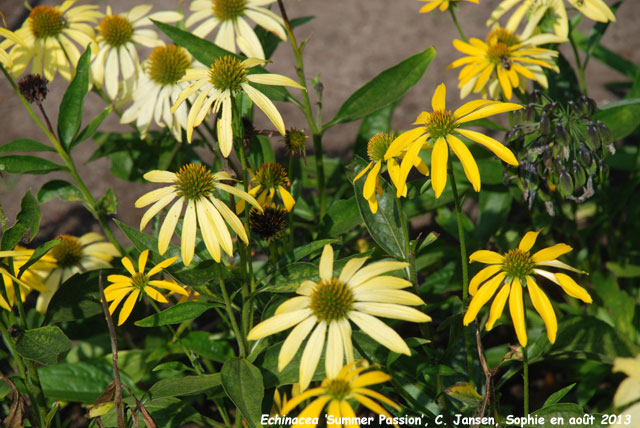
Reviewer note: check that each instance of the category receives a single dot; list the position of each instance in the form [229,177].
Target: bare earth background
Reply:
[350,41]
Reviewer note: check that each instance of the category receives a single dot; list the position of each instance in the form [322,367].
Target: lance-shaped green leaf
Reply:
[70,115]
[45,345]
[24,164]
[242,381]
[176,314]
[59,189]
[25,145]
[37,254]
[384,89]
[383,226]
[184,385]
[92,127]
[28,220]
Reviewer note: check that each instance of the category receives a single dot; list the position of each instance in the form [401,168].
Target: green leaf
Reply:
[384,89]
[621,117]
[384,226]
[607,56]
[563,86]
[207,52]
[270,41]
[108,204]
[70,114]
[79,382]
[624,270]
[379,121]
[206,344]
[494,209]
[341,217]
[565,414]
[92,127]
[27,221]
[268,362]
[586,335]
[466,393]
[78,298]
[37,254]
[45,345]
[242,381]
[176,314]
[289,278]
[303,251]
[59,189]
[24,164]
[184,385]
[558,395]
[25,145]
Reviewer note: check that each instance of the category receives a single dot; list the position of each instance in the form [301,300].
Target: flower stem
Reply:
[240,338]
[465,268]
[30,386]
[579,64]
[525,367]
[291,235]
[192,359]
[92,205]
[306,109]
[455,21]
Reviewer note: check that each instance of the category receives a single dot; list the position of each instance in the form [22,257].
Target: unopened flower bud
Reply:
[565,183]
[592,139]
[545,123]
[561,134]
[578,174]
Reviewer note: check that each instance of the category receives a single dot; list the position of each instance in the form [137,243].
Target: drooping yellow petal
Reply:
[293,403]
[126,309]
[498,306]
[516,309]
[287,199]
[572,288]
[370,183]
[370,378]
[402,141]
[439,158]
[351,267]
[278,323]
[361,173]
[293,341]
[266,106]
[189,227]
[311,412]
[468,163]
[334,411]
[380,332]
[481,277]
[169,225]
[311,355]
[490,110]
[405,167]
[274,79]
[481,297]
[495,146]
[543,306]
[334,355]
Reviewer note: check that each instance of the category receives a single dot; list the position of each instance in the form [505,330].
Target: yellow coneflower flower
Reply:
[139,282]
[358,294]
[536,11]
[217,86]
[158,87]
[50,37]
[503,62]
[348,385]
[230,16]
[442,4]
[73,255]
[31,279]
[376,149]
[508,273]
[269,178]
[441,125]
[195,185]
[117,41]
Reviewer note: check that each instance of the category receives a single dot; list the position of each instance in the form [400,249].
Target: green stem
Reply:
[73,172]
[33,396]
[192,359]
[240,338]
[291,234]
[465,268]
[525,367]
[455,21]
[579,64]
[306,109]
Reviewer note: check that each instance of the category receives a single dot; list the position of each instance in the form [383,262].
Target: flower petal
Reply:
[351,267]
[572,288]
[543,306]
[482,276]
[468,163]
[516,309]
[482,296]
[126,309]
[495,146]
[486,256]
[498,306]
[439,158]
[293,341]
[311,355]
[326,263]
[438,102]
[169,225]
[380,332]
[334,355]
[374,269]
[391,310]
[550,253]
[527,241]
[278,323]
